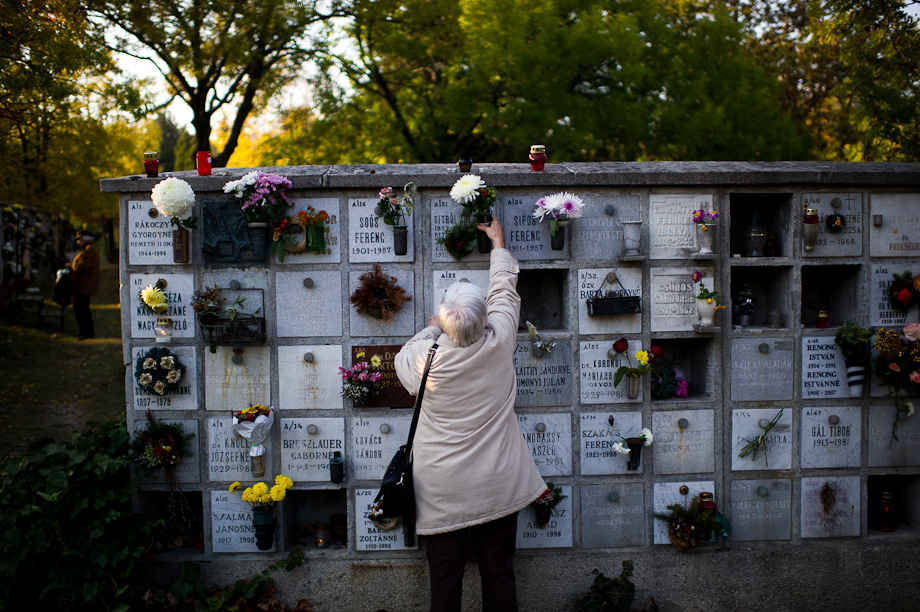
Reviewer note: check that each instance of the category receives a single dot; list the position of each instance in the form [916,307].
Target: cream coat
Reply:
[472,465]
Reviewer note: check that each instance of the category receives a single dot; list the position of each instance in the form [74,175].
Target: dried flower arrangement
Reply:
[379,295]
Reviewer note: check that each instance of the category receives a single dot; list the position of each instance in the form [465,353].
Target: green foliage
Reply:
[853,341]
[70,540]
[609,594]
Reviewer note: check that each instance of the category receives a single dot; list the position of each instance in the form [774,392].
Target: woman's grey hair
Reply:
[462,313]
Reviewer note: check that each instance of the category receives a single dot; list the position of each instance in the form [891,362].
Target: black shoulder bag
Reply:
[396,498]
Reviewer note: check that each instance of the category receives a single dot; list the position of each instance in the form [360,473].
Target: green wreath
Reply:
[460,239]
[160,445]
[159,371]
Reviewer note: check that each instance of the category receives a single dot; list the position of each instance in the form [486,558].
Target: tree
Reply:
[593,80]
[217,54]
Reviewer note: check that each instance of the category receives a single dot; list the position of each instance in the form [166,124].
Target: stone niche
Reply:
[544,299]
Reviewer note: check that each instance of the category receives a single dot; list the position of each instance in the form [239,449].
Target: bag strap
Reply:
[421,392]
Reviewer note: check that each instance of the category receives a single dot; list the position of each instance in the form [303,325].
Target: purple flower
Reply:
[697,276]
[682,388]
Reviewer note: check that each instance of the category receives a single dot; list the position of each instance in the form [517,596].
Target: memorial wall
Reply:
[753,405]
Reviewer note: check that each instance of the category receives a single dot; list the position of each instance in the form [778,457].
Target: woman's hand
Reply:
[494,231]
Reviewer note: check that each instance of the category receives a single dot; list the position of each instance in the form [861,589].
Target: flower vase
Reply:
[400,239]
[483,242]
[316,238]
[635,453]
[258,239]
[856,377]
[263,521]
[705,311]
[632,387]
[632,237]
[557,240]
[181,250]
[705,233]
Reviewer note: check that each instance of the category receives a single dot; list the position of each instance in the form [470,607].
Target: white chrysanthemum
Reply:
[464,190]
[647,434]
[571,206]
[620,449]
[173,197]
[238,187]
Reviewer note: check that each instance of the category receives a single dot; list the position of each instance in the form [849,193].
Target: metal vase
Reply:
[557,240]
[632,387]
[400,239]
[635,453]
[181,248]
[263,521]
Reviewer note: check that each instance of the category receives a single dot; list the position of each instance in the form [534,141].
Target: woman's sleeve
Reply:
[504,303]
[410,360]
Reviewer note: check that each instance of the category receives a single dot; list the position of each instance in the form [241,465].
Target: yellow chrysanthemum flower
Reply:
[235,487]
[278,492]
[154,298]
[247,494]
[259,489]
[642,357]
[376,361]
[284,481]
[360,355]
[709,300]
[265,499]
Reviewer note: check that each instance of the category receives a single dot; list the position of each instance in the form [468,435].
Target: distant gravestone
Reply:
[599,432]
[373,442]
[549,438]
[544,381]
[598,372]
[308,444]
[672,233]
[847,242]
[667,493]
[314,384]
[370,240]
[369,537]
[556,534]
[831,436]
[762,369]
[308,303]
[748,424]
[897,233]
[232,530]
[830,507]
[686,450]
[761,510]
[613,515]
[228,453]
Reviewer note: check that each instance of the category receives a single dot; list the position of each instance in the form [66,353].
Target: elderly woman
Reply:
[473,472]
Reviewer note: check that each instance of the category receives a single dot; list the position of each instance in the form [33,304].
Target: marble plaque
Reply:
[374,441]
[149,235]
[672,233]
[682,451]
[840,517]
[673,297]
[228,453]
[369,537]
[600,236]
[188,469]
[762,369]
[881,313]
[370,240]
[231,525]
[310,385]
[549,438]
[392,394]
[558,531]
[403,321]
[527,238]
[899,232]
[613,515]
[184,398]
[232,387]
[884,450]
[590,281]
[824,371]
[308,311]
[599,432]
[308,444]
[543,381]
[761,510]
[444,213]
[747,424]
[848,241]
[598,372]
[442,279]
[831,436]
[331,231]
[667,493]
[179,289]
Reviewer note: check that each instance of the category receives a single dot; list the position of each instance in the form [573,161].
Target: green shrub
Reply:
[70,540]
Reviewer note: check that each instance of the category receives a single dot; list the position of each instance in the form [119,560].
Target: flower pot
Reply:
[400,239]
[705,233]
[632,387]
[635,453]
[181,249]
[705,311]
[856,377]
[316,238]
[258,243]
[264,523]
[337,468]
[632,237]
[557,240]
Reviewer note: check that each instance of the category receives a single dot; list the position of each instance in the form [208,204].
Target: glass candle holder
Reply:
[163,330]
[203,163]
[151,164]
[537,157]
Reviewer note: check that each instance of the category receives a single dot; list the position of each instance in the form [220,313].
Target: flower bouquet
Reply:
[153,300]
[687,525]
[633,374]
[543,506]
[160,445]
[854,342]
[898,366]
[705,225]
[668,382]
[363,380]
[633,447]
[303,232]
[262,195]
[395,212]
[263,500]
[174,198]
[255,424]
[159,371]
[559,208]
[903,291]
[476,201]
[707,302]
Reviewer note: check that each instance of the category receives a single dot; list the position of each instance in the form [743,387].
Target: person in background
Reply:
[85,268]
[472,469]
